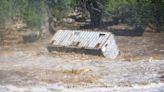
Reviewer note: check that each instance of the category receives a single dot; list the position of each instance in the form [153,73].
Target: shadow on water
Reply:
[106,26]
[135,32]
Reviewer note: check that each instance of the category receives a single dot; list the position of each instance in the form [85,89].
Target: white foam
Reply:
[54,88]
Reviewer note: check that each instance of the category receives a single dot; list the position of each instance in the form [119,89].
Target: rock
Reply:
[68,20]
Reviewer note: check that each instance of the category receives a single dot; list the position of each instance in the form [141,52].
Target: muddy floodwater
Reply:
[28,70]
[29,67]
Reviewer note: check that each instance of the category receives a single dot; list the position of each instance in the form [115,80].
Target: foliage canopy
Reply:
[135,12]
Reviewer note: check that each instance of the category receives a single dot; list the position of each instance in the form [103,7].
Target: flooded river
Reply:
[28,71]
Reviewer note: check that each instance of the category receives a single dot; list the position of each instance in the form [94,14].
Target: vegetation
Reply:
[29,11]
[135,12]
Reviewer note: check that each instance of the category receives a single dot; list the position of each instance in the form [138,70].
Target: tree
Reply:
[5,11]
[59,8]
[31,11]
[95,9]
[157,8]
[158,13]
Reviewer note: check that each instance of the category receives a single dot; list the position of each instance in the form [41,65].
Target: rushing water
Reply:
[54,88]
[116,76]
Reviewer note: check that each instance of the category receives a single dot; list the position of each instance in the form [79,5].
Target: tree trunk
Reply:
[51,22]
[95,18]
[95,12]
[158,7]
